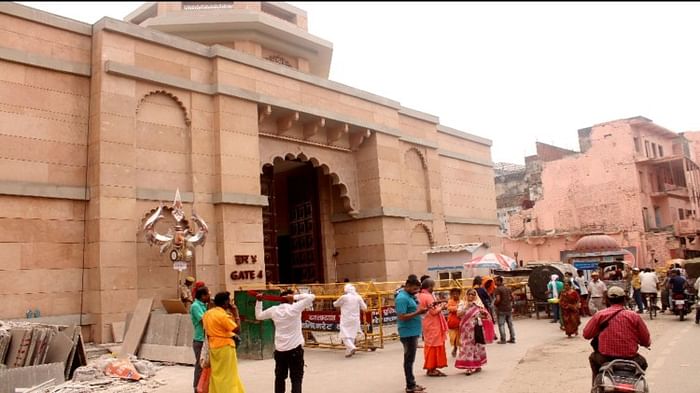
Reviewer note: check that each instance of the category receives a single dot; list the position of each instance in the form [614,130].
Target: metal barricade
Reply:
[320,324]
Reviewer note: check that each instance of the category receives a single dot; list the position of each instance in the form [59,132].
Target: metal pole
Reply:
[381,322]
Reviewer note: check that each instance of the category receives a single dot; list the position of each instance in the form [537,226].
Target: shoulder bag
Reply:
[479,337]
[603,326]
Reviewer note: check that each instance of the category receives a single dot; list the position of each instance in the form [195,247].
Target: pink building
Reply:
[633,180]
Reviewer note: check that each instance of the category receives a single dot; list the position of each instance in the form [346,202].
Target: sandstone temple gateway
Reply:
[300,179]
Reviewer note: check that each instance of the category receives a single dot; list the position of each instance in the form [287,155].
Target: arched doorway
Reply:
[292,222]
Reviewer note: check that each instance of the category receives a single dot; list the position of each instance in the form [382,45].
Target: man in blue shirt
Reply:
[677,283]
[410,324]
[197,310]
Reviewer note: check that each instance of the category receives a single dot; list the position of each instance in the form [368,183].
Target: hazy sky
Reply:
[512,72]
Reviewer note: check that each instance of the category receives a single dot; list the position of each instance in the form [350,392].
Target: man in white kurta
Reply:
[350,305]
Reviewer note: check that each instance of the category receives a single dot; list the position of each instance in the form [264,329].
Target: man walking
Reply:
[504,308]
[289,340]
[197,310]
[649,287]
[596,290]
[350,306]
[410,328]
[637,290]
[583,291]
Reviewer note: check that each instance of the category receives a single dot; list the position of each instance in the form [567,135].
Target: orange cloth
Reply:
[434,324]
[435,357]
[490,288]
[219,326]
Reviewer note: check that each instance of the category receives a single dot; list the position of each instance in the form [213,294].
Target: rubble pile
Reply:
[108,374]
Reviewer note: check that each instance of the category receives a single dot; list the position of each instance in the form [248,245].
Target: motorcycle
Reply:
[682,303]
[620,376]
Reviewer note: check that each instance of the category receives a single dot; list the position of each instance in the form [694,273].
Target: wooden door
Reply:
[267,188]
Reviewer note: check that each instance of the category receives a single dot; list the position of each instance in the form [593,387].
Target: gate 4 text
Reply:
[246,275]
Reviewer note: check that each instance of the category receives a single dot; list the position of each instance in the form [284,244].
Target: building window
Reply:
[641,182]
[637,145]
[653,149]
[657,216]
[450,275]
[661,151]
[645,217]
[646,148]
[681,215]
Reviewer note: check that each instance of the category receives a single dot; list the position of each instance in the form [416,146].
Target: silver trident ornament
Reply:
[180,240]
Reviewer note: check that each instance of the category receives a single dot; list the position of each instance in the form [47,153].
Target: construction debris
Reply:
[137,326]
[33,353]
[110,375]
[39,358]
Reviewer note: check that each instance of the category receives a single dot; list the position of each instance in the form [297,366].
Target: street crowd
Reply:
[466,322]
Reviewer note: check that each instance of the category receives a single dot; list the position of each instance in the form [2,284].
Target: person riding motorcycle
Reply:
[676,286]
[620,333]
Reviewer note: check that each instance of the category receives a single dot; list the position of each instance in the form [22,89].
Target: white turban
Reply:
[349,288]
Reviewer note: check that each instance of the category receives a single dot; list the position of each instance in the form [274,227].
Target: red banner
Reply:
[326,321]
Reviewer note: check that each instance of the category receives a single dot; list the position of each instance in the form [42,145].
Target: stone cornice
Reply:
[471,221]
[403,213]
[43,190]
[82,194]
[239,199]
[45,18]
[383,212]
[217,198]
[463,135]
[32,59]
[148,194]
[419,115]
[418,141]
[464,157]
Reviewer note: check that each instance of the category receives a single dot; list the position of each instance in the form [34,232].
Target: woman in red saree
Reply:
[570,304]
[472,356]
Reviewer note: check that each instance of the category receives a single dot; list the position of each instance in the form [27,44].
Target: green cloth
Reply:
[197,310]
[550,287]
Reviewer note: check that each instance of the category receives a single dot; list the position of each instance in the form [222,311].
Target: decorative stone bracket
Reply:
[284,121]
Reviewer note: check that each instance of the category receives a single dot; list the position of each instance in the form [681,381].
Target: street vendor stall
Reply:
[601,253]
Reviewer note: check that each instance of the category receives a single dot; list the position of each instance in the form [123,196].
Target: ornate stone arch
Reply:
[423,160]
[161,116]
[415,178]
[348,204]
[427,230]
[175,98]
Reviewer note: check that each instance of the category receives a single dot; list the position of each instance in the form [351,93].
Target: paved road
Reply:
[544,360]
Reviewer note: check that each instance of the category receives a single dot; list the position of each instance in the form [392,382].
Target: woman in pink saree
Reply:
[471,356]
